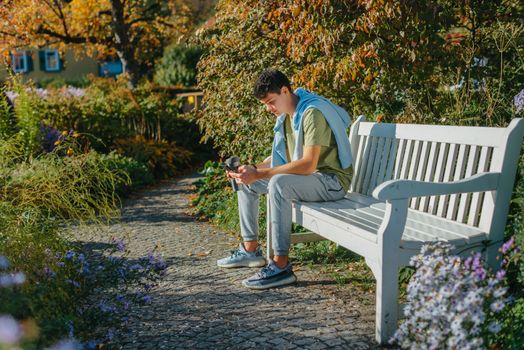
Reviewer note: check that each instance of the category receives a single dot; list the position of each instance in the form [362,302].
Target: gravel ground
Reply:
[200,306]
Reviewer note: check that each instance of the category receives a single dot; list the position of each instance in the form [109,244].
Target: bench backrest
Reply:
[437,153]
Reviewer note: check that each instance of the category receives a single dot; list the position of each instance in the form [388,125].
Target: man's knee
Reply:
[280,184]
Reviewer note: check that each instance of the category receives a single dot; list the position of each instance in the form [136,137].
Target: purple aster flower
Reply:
[105,307]
[67,344]
[135,267]
[49,136]
[42,93]
[12,96]
[494,327]
[507,245]
[69,254]
[10,330]
[10,279]
[72,91]
[120,245]
[48,272]
[74,283]
[518,100]
[4,263]
[71,329]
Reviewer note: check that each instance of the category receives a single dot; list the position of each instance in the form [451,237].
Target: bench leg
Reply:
[492,252]
[386,316]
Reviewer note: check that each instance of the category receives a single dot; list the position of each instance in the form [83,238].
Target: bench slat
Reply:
[436,221]
[421,171]
[476,201]
[448,176]
[474,154]
[438,176]
[392,159]
[458,175]
[430,172]
[363,151]
[369,165]
[380,158]
[363,215]
[470,135]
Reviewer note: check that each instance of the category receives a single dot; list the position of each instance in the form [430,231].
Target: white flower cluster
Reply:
[66,91]
[450,301]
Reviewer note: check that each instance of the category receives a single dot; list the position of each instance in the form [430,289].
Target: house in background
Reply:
[48,64]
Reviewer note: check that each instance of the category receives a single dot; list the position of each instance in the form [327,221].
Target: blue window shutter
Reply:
[41,56]
[29,59]
[60,62]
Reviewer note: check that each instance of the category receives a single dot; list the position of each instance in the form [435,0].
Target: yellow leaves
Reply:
[296,11]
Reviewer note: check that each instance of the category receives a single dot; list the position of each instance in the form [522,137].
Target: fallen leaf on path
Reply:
[204,253]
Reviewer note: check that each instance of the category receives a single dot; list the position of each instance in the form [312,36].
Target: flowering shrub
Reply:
[454,303]
[103,112]
[42,190]
[67,283]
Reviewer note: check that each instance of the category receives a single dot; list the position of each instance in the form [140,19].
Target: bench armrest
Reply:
[405,189]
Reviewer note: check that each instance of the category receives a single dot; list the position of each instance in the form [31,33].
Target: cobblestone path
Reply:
[199,306]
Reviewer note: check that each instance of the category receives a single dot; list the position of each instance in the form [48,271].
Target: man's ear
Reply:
[284,90]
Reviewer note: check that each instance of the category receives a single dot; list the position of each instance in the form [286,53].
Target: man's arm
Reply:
[304,166]
[265,164]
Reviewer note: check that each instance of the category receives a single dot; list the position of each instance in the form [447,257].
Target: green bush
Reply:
[178,66]
[42,192]
[163,159]
[37,197]
[104,112]
[61,82]
[139,174]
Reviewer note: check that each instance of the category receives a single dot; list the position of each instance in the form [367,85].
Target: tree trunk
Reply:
[124,49]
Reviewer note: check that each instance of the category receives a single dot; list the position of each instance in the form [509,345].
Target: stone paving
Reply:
[200,306]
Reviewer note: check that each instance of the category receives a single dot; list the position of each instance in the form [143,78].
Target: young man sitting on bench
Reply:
[310,161]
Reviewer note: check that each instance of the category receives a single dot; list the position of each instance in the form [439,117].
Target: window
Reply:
[51,61]
[110,68]
[19,62]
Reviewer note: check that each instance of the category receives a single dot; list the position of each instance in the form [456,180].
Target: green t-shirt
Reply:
[317,132]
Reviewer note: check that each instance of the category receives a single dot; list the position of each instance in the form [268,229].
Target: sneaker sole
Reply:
[260,263]
[283,282]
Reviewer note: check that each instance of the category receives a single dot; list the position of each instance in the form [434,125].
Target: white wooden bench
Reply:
[414,184]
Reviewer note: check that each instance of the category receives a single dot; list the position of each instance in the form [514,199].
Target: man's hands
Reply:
[247,174]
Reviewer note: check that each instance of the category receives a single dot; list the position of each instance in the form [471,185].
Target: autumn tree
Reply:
[134,30]
[397,59]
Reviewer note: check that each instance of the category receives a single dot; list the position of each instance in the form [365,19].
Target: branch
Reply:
[141,19]
[67,39]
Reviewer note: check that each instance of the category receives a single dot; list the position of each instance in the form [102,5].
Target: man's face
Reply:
[278,103]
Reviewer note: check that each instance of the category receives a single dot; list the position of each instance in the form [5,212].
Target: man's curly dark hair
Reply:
[270,80]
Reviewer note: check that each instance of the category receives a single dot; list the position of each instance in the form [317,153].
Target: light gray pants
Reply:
[282,189]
